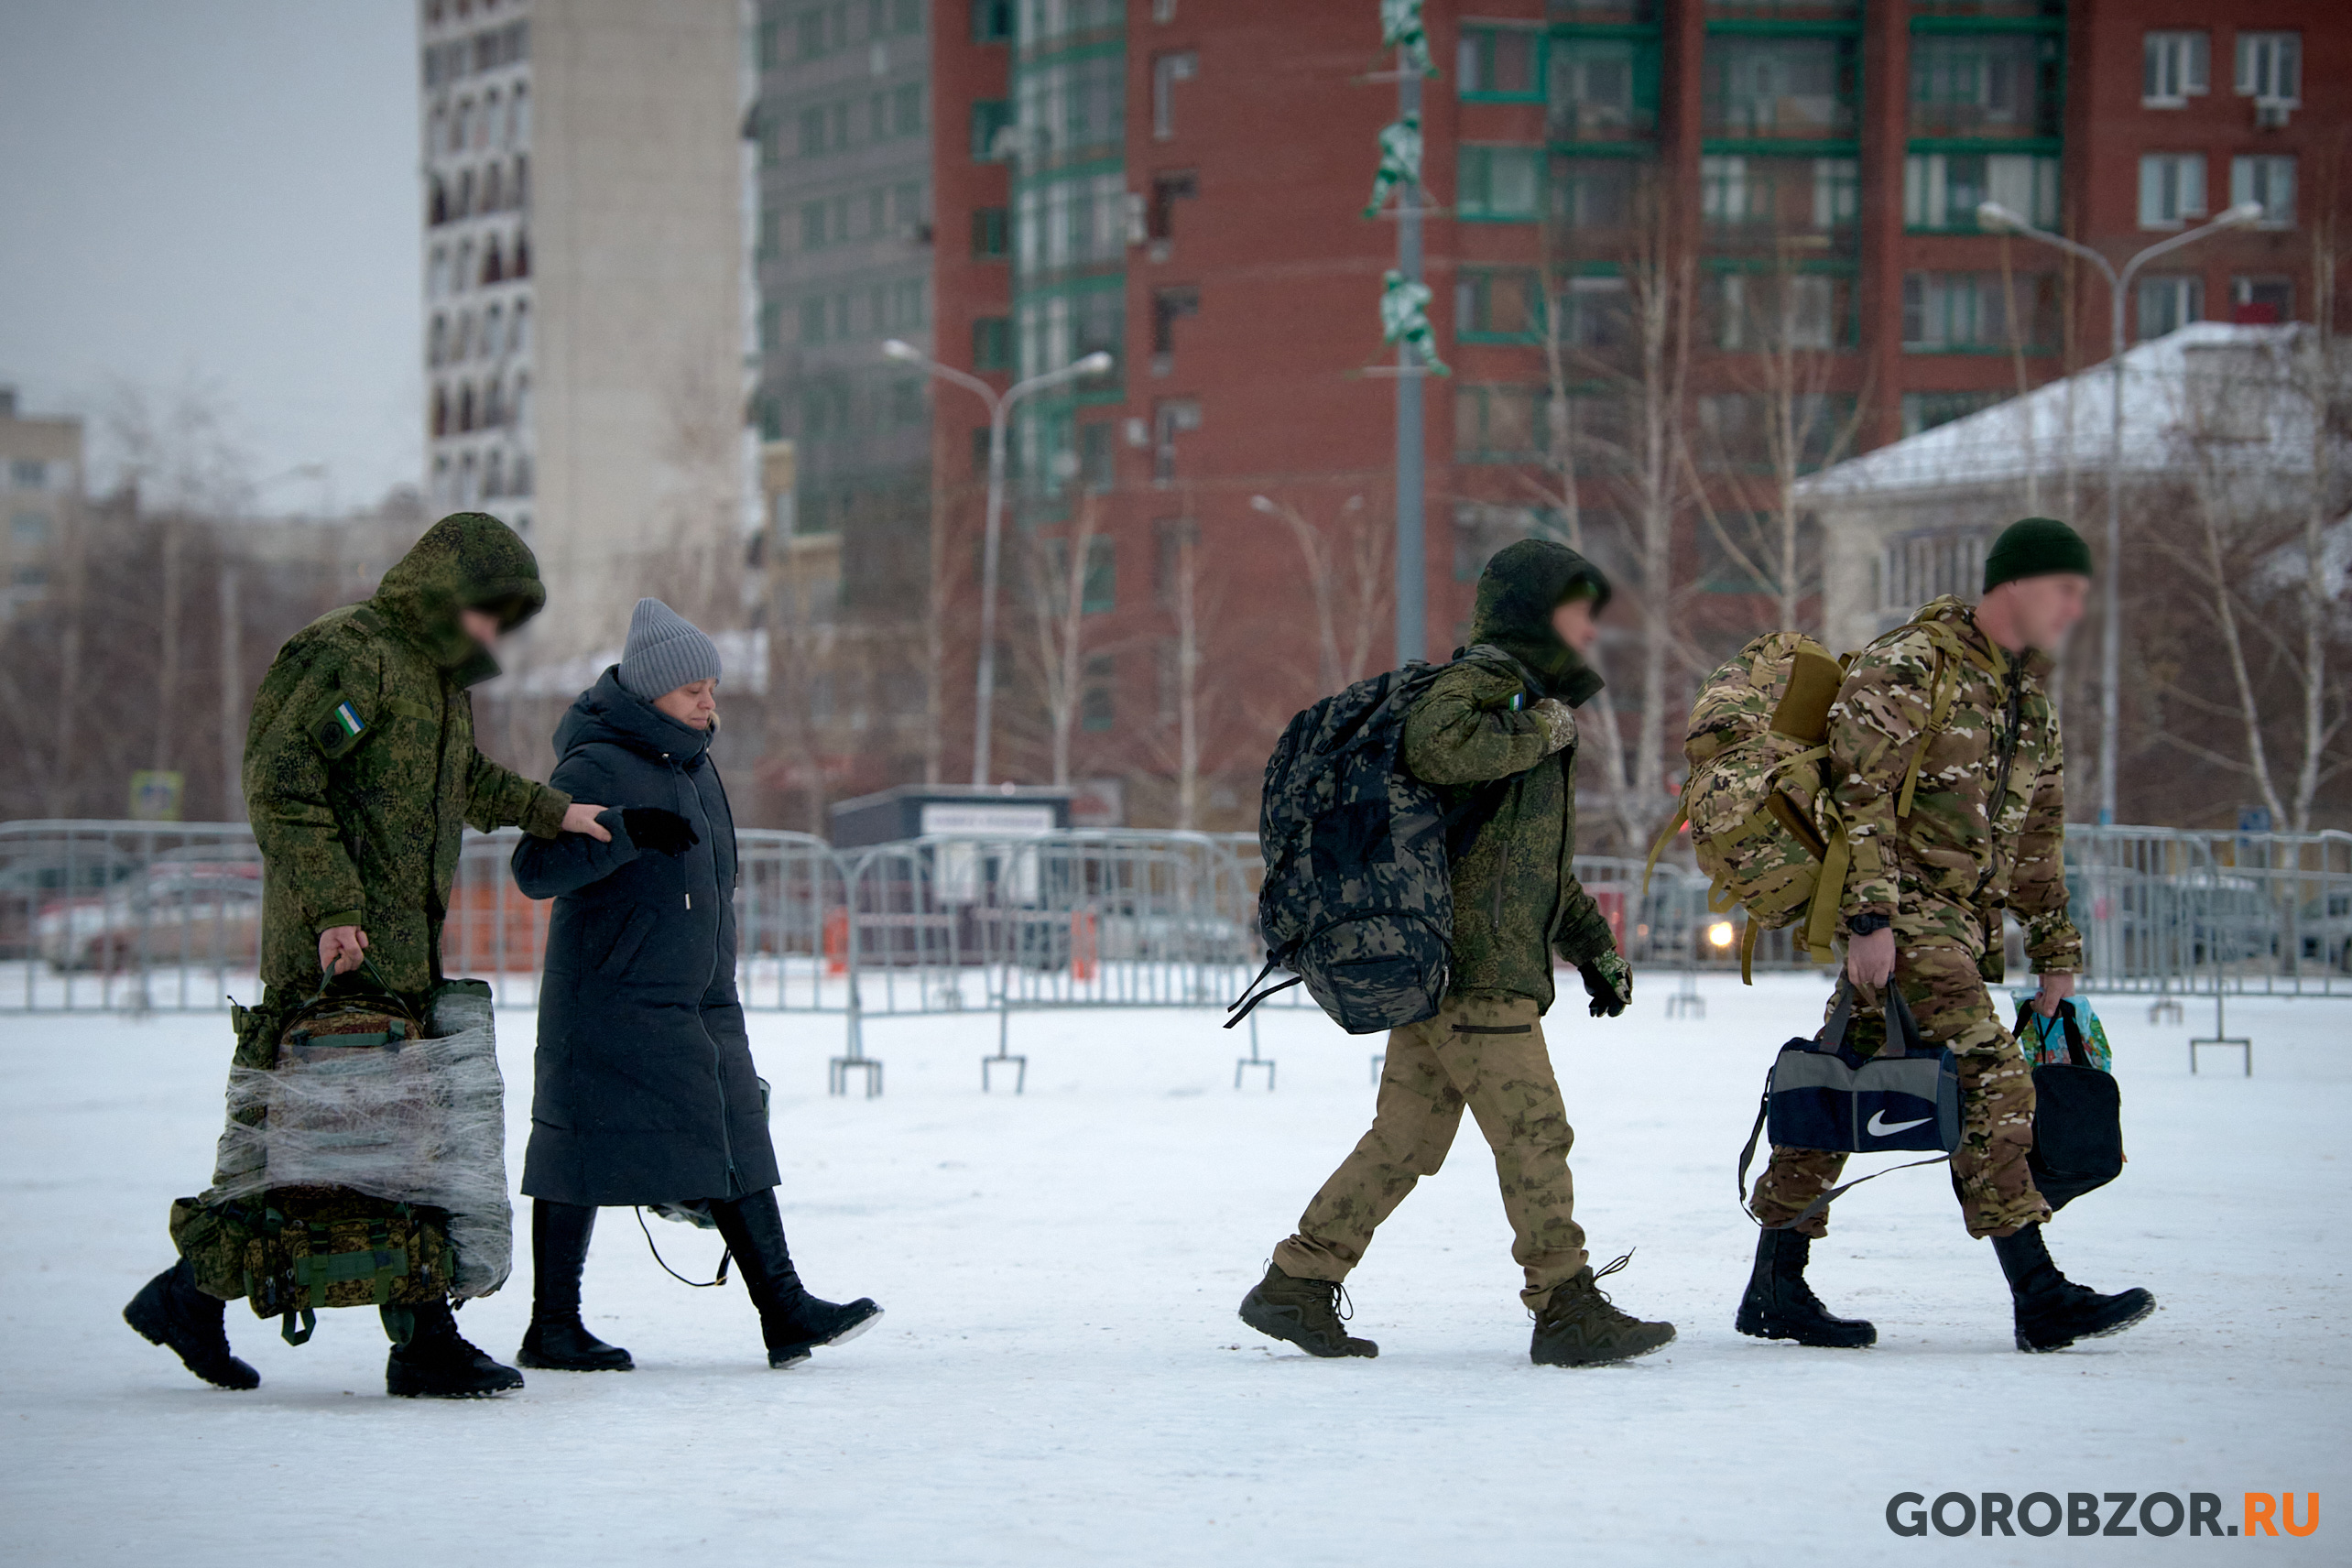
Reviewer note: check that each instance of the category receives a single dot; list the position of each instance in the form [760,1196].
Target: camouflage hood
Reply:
[1517,593]
[467,561]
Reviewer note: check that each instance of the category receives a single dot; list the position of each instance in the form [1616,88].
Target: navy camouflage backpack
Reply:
[1358,898]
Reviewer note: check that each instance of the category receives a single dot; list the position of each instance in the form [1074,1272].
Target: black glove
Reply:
[1609,981]
[650,827]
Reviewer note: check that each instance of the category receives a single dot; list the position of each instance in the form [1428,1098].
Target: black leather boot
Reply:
[430,1358]
[557,1340]
[791,1321]
[1779,1304]
[2052,1311]
[171,1312]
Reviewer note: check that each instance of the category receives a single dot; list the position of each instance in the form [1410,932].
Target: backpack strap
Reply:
[1947,648]
[1829,893]
[1680,820]
[1240,1005]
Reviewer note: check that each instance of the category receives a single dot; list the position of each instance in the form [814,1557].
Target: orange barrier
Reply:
[1084,944]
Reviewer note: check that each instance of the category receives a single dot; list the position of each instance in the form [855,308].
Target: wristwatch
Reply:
[1867,925]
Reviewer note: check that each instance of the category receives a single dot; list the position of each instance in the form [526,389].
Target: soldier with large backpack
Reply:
[1420,830]
[1912,809]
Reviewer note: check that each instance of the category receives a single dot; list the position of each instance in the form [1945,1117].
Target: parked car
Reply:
[191,906]
[2325,926]
[39,872]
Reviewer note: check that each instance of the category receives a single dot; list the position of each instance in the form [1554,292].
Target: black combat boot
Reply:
[429,1357]
[557,1340]
[1304,1311]
[1580,1326]
[2052,1311]
[172,1312]
[791,1321]
[1779,1304]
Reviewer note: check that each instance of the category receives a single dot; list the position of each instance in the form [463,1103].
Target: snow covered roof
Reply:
[2207,373]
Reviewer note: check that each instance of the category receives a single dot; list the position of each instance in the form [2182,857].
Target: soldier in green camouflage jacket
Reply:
[360,776]
[1495,733]
[1946,772]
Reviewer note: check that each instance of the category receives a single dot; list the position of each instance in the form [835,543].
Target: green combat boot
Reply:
[1304,1311]
[1579,1326]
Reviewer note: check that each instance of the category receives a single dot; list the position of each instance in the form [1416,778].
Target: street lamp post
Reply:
[1993,215]
[1000,408]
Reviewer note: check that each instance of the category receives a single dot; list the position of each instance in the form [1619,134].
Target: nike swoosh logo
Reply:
[1879,1127]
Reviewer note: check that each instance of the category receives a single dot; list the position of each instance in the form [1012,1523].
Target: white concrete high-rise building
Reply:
[583,311]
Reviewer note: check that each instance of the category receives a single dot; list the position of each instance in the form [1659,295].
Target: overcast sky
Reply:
[219,194]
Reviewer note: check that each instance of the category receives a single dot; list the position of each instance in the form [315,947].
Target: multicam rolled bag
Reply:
[364,1160]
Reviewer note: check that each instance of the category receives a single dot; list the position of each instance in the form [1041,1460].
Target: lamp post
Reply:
[1000,408]
[1993,215]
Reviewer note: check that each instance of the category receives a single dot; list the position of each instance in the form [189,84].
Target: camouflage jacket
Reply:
[1516,897]
[360,771]
[1958,844]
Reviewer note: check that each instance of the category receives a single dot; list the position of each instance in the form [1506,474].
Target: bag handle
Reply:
[1899,1018]
[1747,1154]
[2077,1047]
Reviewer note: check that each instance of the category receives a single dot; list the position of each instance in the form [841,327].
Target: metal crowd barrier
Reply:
[140,916]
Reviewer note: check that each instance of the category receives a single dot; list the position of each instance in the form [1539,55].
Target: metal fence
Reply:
[136,916]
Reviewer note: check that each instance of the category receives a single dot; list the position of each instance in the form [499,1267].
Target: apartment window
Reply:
[907,16]
[812,226]
[1098,467]
[2167,303]
[2270,67]
[1784,89]
[1498,182]
[1170,417]
[907,207]
[907,402]
[1167,70]
[1593,194]
[906,302]
[1984,84]
[1497,305]
[2174,69]
[814,315]
[1761,198]
[2260,300]
[1599,88]
[991,343]
[29,530]
[1169,306]
[2172,189]
[769,52]
[1498,63]
[2268,179]
[1942,191]
[809,34]
[1926,410]
[1096,700]
[1768,311]
[991,117]
[1166,189]
[1945,311]
[771,243]
[992,233]
[992,21]
[1497,424]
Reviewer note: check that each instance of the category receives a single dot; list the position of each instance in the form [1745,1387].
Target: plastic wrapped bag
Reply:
[419,1121]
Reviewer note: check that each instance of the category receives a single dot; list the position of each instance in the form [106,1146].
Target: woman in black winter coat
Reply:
[645,1089]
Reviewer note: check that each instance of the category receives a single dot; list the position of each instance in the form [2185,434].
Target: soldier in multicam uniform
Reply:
[1495,734]
[361,775]
[1985,831]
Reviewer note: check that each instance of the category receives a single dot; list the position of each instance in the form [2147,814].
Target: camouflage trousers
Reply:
[1937,949]
[1487,1052]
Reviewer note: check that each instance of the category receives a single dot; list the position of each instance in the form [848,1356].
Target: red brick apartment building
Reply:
[1180,182]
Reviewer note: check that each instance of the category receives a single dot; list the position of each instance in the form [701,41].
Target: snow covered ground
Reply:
[1061,1378]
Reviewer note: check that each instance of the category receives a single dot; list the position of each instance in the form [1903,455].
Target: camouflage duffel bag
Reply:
[293,1250]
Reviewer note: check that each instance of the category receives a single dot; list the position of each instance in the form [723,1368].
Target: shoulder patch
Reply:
[339,729]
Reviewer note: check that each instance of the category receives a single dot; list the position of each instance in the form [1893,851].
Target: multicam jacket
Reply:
[360,771]
[1961,842]
[1516,897]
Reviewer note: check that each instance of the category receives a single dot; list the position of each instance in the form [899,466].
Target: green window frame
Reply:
[1986,86]
[1493,422]
[1499,183]
[1498,63]
[1600,88]
[992,21]
[989,116]
[991,343]
[1098,700]
[1966,312]
[1941,190]
[992,233]
[907,110]
[1499,305]
[1782,87]
[1765,198]
[1098,591]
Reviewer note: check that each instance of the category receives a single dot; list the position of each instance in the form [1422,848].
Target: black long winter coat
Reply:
[645,1091]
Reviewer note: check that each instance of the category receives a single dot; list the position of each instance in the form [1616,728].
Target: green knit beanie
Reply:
[2035,546]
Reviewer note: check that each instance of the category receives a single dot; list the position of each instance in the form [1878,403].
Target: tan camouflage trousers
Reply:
[1487,1053]
[1937,946]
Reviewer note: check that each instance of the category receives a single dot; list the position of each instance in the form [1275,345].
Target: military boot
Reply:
[793,1323]
[557,1340]
[2052,1311]
[1580,1326]
[1304,1311]
[430,1358]
[1779,1304]
[172,1312]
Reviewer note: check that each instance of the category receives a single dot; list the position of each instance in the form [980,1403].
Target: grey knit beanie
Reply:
[664,651]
